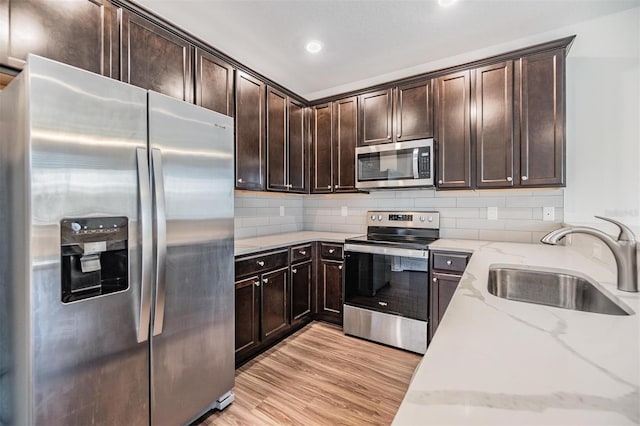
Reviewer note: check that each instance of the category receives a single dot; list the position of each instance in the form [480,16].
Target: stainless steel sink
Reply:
[553,287]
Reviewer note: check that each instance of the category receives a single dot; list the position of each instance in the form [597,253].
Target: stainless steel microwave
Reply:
[395,165]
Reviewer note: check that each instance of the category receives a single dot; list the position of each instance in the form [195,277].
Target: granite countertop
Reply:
[267,242]
[500,362]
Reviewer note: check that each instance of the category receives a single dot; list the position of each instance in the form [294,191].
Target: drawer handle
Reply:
[260,262]
[302,252]
[265,280]
[293,271]
[331,251]
[382,303]
[257,283]
[435,280]
[340,267]
[449,262]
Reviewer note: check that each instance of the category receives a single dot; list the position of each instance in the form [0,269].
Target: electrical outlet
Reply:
[548,214]
[281,210]
[492,213]
[344,211]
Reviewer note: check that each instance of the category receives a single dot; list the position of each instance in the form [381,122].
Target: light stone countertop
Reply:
[500,362]
[267,242]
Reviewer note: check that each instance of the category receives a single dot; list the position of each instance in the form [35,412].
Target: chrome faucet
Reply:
[623,248]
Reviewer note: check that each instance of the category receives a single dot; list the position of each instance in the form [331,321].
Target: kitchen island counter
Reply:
[496,361]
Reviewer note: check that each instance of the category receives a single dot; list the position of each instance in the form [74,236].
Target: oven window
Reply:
[392,284]
[387,165]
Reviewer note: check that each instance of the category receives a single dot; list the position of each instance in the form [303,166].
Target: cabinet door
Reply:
[214,83]
[301,291]
[277,155]
[82,33]
[414,111]
[453,136]
[247,315]
[375,117]
[442,288]
[330,291]
[155,59]
[274,312]
[493,89]
[250,143]
[322,133]
[297,147]
[345,141]
[542,142]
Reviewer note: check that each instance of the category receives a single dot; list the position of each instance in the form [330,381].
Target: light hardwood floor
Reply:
[319,376]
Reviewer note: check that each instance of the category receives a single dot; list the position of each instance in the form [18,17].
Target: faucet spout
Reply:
[623,249]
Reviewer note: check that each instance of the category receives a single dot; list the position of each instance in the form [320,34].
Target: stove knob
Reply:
[379,217]
[430,219]
[421,218]
[373,217]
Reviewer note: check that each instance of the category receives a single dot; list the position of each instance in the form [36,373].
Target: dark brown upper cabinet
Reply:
[414,112]
[82,33]
[250,132]
[155,59]
[286,128]
[345,140]
[322,139]
[375,117]
[298,151]
[453,130]
[494,130]
[542,119]
[214,83]
[276,140]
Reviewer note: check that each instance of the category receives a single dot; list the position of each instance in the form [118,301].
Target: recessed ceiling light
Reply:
[313,46]
[446,3]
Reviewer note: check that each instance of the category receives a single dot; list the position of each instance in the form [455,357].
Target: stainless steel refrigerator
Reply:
[116,273]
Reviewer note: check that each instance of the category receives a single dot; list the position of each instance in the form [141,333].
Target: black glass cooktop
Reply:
[404,241]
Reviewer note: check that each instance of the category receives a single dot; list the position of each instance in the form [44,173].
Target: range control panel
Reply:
[395,219]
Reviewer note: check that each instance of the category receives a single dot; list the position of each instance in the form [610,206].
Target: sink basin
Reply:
[553,287]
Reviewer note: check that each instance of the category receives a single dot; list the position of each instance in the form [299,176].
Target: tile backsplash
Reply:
[463,214]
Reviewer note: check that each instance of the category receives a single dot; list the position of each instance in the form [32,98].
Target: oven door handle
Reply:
[390,251]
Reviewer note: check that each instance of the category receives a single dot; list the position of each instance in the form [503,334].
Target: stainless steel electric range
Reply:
[386,279]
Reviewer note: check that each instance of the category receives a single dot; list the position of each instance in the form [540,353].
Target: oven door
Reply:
[387,279]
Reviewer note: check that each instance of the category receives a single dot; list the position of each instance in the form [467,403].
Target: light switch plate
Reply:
[344,211]
[492,213]
[548,214]
[281,210]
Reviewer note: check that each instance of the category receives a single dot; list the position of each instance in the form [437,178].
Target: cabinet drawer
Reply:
[261,262]
[300,253]
[456,262]
[331,251]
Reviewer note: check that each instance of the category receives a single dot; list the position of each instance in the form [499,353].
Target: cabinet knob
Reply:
[290,186]
[331,251]
[449,262]
[302,252]
[340,267]
[329,187]
[525,178]
[265,280]
[293,271]
[240,180]
[260,262]
[435,280]
[257,283]
[440,182]
[509,178]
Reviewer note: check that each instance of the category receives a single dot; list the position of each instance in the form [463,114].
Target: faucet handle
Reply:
[625,234]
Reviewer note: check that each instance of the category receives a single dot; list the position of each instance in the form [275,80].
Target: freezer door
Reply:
[192,350]
[87,366]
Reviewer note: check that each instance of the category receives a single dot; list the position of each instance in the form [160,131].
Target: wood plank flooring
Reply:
[319,376]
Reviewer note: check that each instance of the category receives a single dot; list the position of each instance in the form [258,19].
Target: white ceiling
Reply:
[365,42]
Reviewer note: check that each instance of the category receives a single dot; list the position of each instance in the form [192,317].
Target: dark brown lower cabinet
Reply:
[446,272]
[330,291]
[247,315]
[274,313]
[301,291]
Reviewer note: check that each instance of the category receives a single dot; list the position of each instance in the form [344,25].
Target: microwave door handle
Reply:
[161,240]
[416,172]
[146,244]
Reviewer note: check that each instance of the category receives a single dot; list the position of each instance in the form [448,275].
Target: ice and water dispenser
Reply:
[94,257]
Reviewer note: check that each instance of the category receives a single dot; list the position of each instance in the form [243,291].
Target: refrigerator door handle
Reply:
[147,244]
[161,239]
